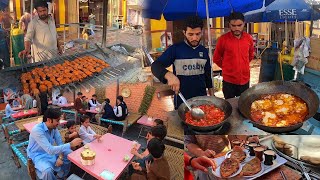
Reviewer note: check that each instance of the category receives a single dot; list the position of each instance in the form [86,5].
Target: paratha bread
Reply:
[238,153]
[228,167]
[311,160]
[252,167]
[280,144]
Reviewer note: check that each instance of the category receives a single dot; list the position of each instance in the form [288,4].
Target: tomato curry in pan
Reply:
[213,116]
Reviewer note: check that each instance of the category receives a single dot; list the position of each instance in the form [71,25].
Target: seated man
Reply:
[85,105]
[105,112]
[108,111]
[46,148]
[121,109]
[55,100]
[16,102]
[9,111]
[158,167]
[93,103]
[159,132]
[62,100]
[26,100]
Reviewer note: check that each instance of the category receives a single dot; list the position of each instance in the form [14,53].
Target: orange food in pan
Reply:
[279,110]
[213,116]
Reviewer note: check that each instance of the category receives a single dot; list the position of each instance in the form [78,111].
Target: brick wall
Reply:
[158,107]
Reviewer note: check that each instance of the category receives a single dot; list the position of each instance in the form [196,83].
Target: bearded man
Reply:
[233,54]
[191,64]
[41,33]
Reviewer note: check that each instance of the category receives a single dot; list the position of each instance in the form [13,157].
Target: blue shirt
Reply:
[86,134]
[16,103]
[45,146]
[9,111]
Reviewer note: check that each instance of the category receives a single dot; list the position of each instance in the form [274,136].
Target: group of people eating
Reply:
[25,102]
[49,153]
[119,112]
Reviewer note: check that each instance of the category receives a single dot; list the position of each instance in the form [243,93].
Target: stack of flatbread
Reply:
[308,147]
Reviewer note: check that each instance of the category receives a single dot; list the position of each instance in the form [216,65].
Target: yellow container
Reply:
[217,82]
[16,31]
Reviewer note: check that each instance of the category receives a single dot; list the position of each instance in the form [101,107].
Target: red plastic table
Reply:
[92,111]
[29,126]
[144,120]
[66,105]
[24,113]
[110,155]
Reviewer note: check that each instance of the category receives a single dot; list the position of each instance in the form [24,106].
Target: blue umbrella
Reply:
[4,4]
[180,9]
[283,10]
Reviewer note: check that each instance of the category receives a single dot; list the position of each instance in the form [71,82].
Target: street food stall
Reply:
[273,157]
[257,111]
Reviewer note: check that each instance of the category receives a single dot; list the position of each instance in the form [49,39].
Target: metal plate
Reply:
[224,105]
[295,88]
[290,158]
[126,92]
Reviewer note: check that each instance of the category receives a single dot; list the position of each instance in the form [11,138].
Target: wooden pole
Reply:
[118,84]
[311,25]
[104,24]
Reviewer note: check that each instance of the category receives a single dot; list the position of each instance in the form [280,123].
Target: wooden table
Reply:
[29,126]
[25,113]
[109,155]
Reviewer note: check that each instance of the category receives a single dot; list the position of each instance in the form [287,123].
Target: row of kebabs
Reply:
[43,79]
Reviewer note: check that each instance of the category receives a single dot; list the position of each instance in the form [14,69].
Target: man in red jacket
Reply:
[233,53]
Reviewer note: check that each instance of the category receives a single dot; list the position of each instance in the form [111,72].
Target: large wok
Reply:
[200,100]
[294,88]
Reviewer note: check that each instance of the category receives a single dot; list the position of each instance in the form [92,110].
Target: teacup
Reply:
[269,156]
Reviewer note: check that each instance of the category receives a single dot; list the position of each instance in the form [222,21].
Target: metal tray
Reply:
[289,158]
[279,161]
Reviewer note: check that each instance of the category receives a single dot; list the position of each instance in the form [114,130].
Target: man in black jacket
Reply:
[121,110]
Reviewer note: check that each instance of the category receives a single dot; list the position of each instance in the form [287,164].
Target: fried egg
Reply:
[279,110]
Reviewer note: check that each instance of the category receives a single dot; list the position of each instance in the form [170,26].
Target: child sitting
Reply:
[71,134]
[158,132]
[158,167]
[85,132]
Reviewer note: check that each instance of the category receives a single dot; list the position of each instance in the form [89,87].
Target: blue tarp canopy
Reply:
[4,4]
[180,9]
[282,10]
